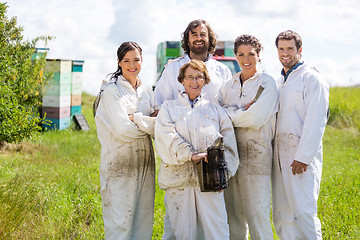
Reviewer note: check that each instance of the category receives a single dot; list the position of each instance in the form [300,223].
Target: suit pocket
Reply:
[258,159]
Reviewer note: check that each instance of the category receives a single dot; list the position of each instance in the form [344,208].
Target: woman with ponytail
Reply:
[125,121]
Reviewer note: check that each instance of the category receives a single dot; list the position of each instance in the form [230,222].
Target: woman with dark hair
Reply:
[184,128]
[250,99]
[125,121]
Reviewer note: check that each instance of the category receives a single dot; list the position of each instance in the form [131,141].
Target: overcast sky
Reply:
[92,31]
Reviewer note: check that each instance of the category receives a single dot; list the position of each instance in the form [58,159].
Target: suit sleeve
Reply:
[117,119]
[227,131]
[316,96]
[146,123]
[171,147]
[258,113]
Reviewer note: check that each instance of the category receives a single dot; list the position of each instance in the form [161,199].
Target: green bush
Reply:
[22,81]
[16,123]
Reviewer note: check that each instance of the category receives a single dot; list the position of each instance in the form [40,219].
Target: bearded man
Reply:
[198,42]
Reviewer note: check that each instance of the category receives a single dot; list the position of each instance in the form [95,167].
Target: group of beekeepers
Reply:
[272,133]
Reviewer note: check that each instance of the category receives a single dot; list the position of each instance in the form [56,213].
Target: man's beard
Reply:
[199,50]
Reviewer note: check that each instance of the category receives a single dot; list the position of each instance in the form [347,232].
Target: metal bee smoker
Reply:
[213,175]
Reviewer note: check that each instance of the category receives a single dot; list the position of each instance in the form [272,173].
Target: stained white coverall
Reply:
[127,165]
[168,86]
[180,131]
[248,196]
[301,121]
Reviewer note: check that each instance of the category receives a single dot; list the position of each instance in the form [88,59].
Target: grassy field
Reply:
[49,187]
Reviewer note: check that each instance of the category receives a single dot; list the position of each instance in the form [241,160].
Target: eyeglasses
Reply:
[198,77]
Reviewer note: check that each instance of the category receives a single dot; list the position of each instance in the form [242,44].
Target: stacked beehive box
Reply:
[224,48]
[167,50]
[229,48]
[76,87]
[56,102]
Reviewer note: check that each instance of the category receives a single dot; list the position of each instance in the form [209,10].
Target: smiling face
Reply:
[131,64]
[247,58]
[288,53]
[194,81]
[199,40]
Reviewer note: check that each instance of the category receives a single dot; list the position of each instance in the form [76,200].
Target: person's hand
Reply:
[248,105]
[298,167]
[197,157]
[131,117]
[155,113]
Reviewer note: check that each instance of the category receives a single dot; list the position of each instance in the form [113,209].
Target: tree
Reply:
[22,81]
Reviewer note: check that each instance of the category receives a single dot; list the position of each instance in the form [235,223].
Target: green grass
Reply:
[49,187]
[344,108]
[339,202]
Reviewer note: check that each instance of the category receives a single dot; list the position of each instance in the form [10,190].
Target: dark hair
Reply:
[197,65]
[246,39]
[121,52]
[192,25]
[288,35]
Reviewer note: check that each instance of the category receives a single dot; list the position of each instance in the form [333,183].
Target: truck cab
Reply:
[230,62]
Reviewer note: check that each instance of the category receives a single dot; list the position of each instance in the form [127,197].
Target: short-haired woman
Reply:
[250,99]
[184,128]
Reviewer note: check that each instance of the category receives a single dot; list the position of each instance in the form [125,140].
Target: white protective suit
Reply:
[168,87]
[248,196]
[301,121]
[180,131]
[127,166]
